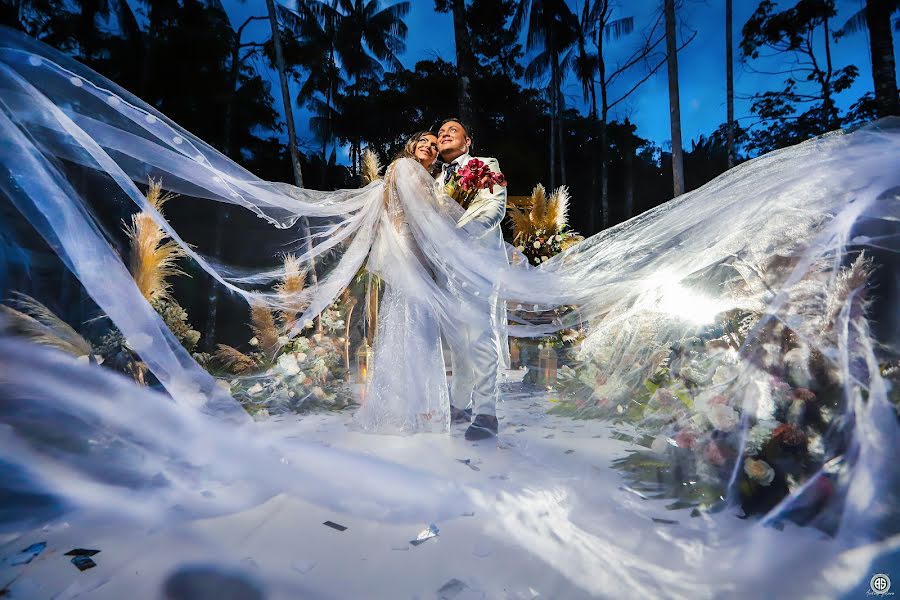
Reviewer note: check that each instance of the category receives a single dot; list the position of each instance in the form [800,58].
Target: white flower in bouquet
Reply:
[307,324]
[255,389]
[758,436]
[300,356]
[797,362]
[723,417]
[225,385]
[301,344]
[660,444]
[520,248]
[319,369]
[254,342]
[724,374]
[536,244]
[815,445]
[287,365]
[283,340]
[759,471]
[772,354]
[691,374]
[559,238]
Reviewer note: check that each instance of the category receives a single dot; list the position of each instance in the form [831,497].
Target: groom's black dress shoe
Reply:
[482,428]
[460,415]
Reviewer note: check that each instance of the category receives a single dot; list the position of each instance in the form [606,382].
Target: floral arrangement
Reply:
[152,261]
[465,184]
[748,397]
[280,373]
[542,231]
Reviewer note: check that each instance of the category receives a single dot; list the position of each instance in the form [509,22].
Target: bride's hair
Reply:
[409,149]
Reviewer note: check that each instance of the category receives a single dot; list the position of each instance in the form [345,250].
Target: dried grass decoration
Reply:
[542,231]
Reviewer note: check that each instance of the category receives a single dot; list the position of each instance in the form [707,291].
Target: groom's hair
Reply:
[465,127]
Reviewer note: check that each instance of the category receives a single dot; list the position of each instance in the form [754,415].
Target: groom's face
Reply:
[452,140]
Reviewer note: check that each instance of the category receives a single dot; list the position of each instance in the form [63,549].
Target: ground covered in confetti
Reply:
[549,518]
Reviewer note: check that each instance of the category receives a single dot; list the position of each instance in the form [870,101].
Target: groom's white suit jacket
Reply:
[487,212]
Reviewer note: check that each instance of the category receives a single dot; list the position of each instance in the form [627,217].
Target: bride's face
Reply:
[426,150]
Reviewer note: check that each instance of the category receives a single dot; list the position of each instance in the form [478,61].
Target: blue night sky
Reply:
[701,63]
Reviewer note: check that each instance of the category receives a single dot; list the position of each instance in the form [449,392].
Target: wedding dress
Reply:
[775,237]
[406,389]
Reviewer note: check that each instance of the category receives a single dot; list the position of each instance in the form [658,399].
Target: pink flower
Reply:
[686,439]
[718,399]
[714,454]
[804,394]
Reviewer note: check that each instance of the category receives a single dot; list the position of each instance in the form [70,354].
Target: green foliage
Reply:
[805,106]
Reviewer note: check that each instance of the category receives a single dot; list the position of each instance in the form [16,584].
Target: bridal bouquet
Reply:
[470,179]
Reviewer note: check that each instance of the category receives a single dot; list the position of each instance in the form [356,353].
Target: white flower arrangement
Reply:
[287,365]
[723,417]
[758,436]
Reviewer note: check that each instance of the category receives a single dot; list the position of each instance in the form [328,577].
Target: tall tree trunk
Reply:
[465,61]
[553,100]
[674,104]
[560,127]
[149,41]
[881,42]
[729,76]
[87,29]
[285,95]
[604,171]
[628,155]
[604,138]
[292,139]
[831,120]
[222,214]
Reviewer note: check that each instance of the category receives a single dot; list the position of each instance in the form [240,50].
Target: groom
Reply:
[474,343]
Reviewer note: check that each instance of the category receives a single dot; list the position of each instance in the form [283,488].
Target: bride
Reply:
[406,390]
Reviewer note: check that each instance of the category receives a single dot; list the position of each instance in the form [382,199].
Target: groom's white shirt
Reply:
[489,208]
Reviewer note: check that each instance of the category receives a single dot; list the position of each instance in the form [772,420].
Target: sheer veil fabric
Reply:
[74,144]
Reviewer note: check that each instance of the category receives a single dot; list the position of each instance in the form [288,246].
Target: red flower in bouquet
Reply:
[475,176]
[804,394]
[789,435]
[714,454]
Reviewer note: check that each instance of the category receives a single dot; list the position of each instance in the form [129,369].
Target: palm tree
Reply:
[465,59]
[729,80]
[674,104]
[365,36]
[606,28]
[553,27]
[285,94]
[876,17]
[314,35]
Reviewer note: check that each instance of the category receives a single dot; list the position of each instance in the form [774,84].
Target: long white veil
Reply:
[797,249]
